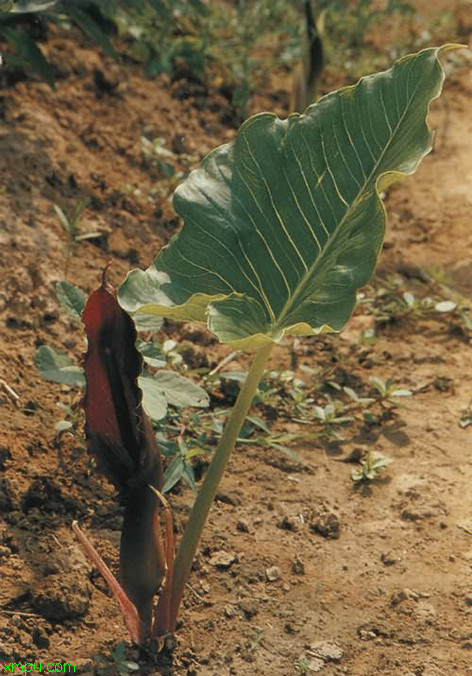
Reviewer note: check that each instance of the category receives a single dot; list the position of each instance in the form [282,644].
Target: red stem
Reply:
[128,609]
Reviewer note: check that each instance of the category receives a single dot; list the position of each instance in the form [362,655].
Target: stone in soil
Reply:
[327,525]
[328,651]
[273,574]
[222,559]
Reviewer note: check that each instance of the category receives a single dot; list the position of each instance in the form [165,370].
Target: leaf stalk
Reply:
[206,495]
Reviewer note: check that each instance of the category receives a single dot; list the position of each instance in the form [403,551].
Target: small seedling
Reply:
[388,390]
[425,307]
[372,467]
[155,152]
[73,230]
[389,303]
[116,663]
[328,416]
[303,667]
[362,402]
[72,419]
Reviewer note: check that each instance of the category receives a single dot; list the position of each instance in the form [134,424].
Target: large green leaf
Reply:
[285,223]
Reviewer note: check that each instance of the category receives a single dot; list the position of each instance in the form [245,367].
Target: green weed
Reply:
[372,467]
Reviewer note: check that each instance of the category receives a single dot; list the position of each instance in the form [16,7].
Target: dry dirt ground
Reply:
[349,582]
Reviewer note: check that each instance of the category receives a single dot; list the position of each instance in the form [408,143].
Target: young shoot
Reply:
[372,467]
[72,228]
[329,417]
[388,390]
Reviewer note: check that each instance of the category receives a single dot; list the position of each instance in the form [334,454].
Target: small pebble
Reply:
[403,595]
[327,525]
[291,523]
[328,651]
[273,573]
[389,558]
[242,526]
[222,559]
[298,567]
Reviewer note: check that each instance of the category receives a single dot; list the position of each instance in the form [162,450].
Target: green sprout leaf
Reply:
[58,368]
[166,387]
[180,391]
[285,223]
[66,224]
[71,298]
[23,6]
[151,353]
[91,28]
[372,467]
[30,54]
[154,401]
[179,469]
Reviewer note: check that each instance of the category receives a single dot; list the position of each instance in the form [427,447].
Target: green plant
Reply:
[389,302]
[466,417]
[115,663]
[19,21]
[72,418]
[155,27]
[355,21]
[72,229]
[303,666]
[372,466]
[282,226]
[388,390]
[248,39]
[155,152]
[348,28]
[166,34]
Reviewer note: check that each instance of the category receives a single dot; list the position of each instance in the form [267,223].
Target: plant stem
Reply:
[206,495]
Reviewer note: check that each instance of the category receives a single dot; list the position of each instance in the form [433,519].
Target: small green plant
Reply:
[155,152]
[165,35]
[329,416]
[372,467]
[303,667]
[389,391]
[19,17]
[388,302]
[347,27]
[72,228]
[115,663]
[282,227]
[73,417]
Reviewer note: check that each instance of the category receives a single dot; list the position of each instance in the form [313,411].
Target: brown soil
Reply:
[358,583]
